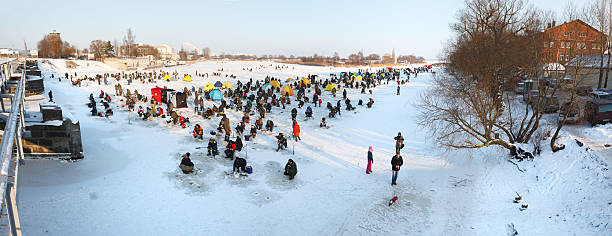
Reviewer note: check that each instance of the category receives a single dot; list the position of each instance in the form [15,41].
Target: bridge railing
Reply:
[9,162]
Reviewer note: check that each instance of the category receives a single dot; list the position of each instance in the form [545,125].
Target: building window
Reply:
[568,45]
[545,44]
[581,45]
[565,34]
[552,44]
[596,46]
[582,35]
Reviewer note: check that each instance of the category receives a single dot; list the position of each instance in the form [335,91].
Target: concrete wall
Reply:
[54,139]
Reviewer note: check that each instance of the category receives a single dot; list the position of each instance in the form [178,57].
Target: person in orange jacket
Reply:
[296,131]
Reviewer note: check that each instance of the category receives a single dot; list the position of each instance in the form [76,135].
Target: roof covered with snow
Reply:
[588,61]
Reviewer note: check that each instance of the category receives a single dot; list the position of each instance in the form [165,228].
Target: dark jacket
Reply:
[240,162]
[186,161]
[399,139]
[396,162]
[370,157]
[238,144]
[291,169]
[212,145]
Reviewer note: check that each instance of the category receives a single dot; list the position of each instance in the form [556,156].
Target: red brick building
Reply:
[563,42]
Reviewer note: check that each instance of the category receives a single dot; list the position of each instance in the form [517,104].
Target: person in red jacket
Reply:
[198,131]
[230,149]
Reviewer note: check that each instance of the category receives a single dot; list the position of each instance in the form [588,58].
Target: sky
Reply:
[288,27]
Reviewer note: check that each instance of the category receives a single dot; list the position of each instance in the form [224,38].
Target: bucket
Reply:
[247,137]
[249,169]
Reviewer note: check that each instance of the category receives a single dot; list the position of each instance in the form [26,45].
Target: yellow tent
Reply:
[275,84]
[305,81]
[209,87]
[330,87]
[359,78]
[287,90]
[167,77]
[290,79]
[187,78]
[228,85]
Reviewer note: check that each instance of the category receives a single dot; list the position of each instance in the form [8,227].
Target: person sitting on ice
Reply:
[182,121]
[308,112]
[208,113]
[140,111]
[290,169]
[230,148]
[282,142]
[212,147]
[269,125]
[198,131]
[147,114]
[323,124]
[94,111]
[239,164]
[186,164]
[109,112]
[370,103]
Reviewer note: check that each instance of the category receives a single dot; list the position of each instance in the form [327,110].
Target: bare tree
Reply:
[206,52]
[129,41]
[609,42]
[571,11]
[98,48]
[116,47]
[470,107]
[597,14]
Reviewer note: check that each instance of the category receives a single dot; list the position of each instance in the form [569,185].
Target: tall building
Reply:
[54,35]
[393,57]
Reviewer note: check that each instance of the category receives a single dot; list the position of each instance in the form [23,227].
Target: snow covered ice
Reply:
[129,182]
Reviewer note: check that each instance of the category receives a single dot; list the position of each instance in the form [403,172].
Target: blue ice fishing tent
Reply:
[216,95]
[218,84]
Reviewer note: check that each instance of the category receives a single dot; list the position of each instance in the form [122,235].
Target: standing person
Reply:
[296,131]
[50,96]
[226,127]
[396,163]
[399,142]
[212,147]
[398,90]
[370,161]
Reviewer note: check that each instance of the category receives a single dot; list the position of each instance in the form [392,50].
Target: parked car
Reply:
[532,94]
[572,113]
[551,104]
[598,111]
[520,87]
[601,94]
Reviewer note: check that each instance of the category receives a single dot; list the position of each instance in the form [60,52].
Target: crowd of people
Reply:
[254,98]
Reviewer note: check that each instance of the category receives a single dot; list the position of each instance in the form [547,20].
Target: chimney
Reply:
[554,23]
